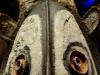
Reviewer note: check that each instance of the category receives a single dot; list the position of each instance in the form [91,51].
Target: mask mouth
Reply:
[10,8]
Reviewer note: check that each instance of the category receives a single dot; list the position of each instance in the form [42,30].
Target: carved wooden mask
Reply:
[50,42]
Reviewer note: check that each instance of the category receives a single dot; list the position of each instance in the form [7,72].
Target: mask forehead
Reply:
[44,41]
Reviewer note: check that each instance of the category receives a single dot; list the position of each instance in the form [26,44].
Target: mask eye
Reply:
[84,5]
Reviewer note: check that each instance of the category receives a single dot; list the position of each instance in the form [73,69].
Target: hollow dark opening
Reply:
[22,70]
[18,63]
[77,60]
[10,7]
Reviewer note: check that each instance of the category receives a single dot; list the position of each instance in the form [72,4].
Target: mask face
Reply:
[50,42]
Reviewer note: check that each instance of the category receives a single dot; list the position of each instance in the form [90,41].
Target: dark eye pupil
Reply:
[84,5]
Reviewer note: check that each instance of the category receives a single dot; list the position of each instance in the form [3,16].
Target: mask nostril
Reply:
[20,65]
[76,60]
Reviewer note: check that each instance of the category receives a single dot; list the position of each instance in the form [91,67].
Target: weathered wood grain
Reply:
[44,38]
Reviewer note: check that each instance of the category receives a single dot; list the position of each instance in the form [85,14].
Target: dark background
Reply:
[84,5]
[10,7]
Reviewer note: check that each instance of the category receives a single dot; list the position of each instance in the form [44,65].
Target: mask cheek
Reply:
[67,31]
